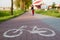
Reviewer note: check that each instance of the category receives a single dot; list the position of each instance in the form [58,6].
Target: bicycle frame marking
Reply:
[35,30]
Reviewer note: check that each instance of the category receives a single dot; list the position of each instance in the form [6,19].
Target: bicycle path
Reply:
[30,21]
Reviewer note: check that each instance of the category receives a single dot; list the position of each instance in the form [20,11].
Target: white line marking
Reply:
[36,30]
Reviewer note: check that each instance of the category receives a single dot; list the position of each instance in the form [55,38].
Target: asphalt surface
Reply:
[52,21]
[30,21]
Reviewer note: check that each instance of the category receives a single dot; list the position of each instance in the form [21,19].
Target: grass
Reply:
[52,12]
[6,15]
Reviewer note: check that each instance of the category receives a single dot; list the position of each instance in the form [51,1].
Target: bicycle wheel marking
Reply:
[47,35]
[11,36]
[35,30]
[40,32]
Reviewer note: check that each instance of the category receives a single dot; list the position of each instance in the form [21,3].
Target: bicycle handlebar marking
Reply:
[35,30]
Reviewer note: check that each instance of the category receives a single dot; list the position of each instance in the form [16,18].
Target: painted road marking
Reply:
[35,30]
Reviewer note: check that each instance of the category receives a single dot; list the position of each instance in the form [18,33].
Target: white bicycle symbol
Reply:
[40,31]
